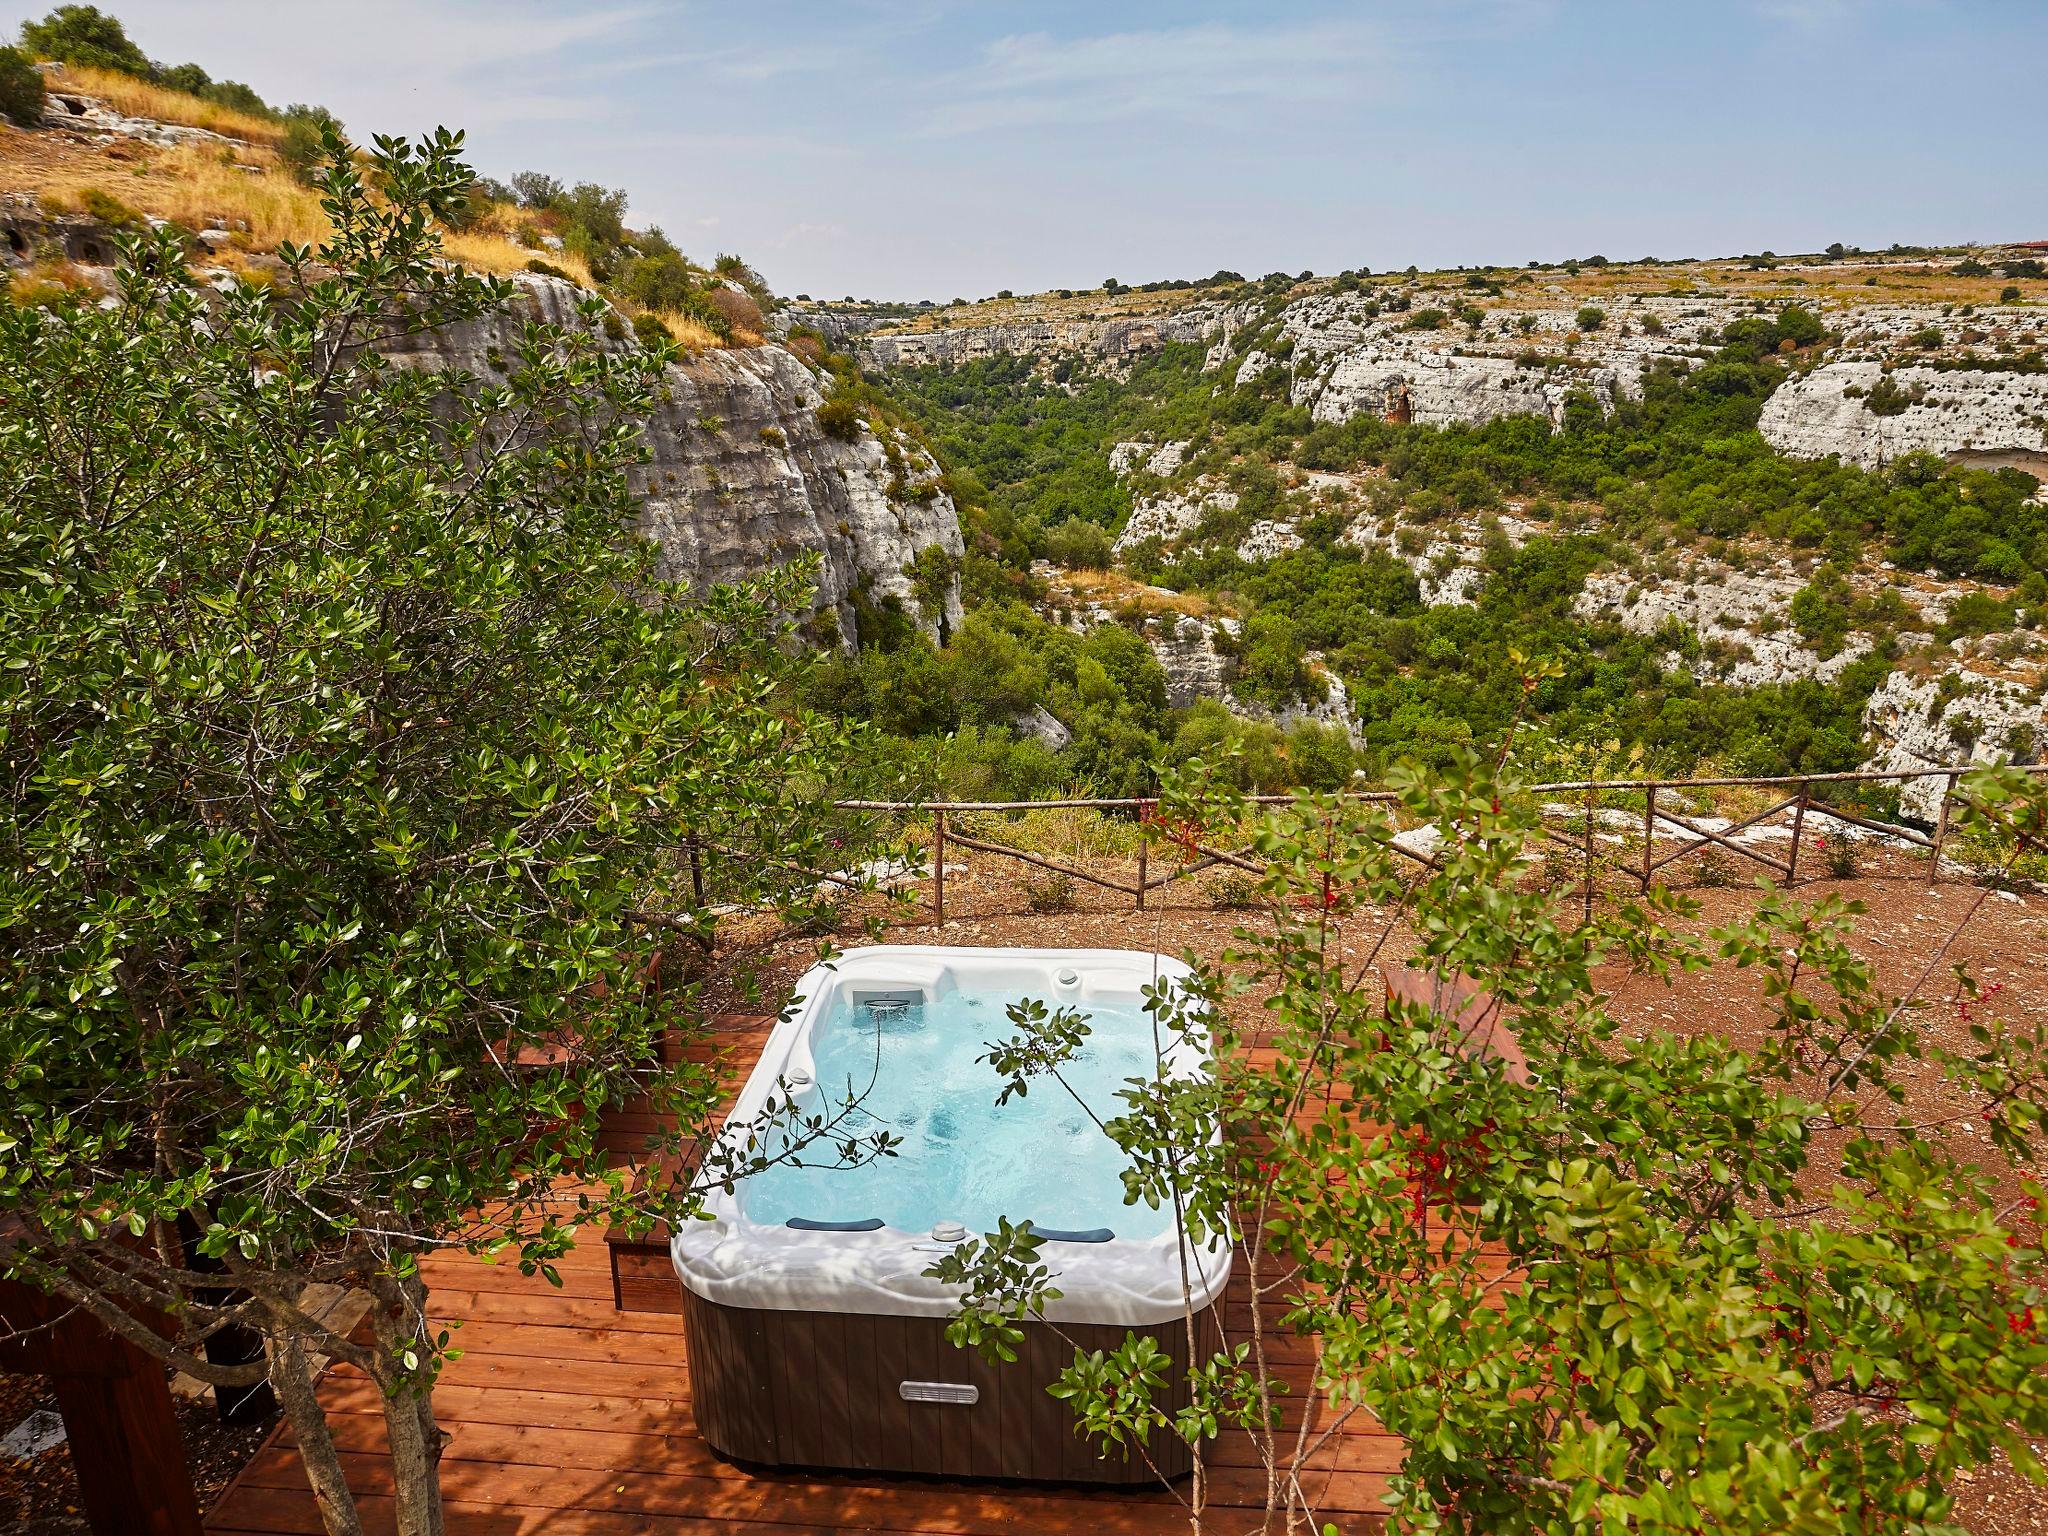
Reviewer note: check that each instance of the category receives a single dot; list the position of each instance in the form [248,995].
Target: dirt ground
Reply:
[39,1497]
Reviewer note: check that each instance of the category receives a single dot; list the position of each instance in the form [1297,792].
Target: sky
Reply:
[906,149]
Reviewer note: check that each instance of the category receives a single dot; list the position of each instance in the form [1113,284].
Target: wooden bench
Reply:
[642,1278]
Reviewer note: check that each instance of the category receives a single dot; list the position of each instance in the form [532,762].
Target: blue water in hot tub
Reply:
[1039,1158]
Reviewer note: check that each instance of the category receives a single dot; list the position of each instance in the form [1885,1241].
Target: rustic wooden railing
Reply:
[1690,834]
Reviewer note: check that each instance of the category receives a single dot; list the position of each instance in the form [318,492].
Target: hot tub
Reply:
[814,1338]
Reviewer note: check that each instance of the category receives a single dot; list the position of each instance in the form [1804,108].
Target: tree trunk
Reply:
[293,1382]
[409,1411]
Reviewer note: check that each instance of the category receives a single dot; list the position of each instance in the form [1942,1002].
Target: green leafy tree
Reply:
[303,149]
[350,752]
[1637,1283]
[84,34]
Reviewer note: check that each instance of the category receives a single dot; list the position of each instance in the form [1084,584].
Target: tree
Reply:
[537,189]
[84,34]
[303,149]
[351,752]
[1648,1283]
[21,89]
[1591,318]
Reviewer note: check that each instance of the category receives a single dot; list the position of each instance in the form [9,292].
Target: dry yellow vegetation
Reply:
[247,188]
[195,184]
[139,98]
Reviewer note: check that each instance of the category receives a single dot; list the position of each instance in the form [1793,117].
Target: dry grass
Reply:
[488,251]
[138,98]
[695,334]
[195,185]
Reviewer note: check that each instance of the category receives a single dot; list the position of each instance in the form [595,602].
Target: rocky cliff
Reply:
[1438,353]
[1949,718]
[1110,340]
[1987,418]
[742,477]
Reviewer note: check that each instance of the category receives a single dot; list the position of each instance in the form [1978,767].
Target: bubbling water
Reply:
[1039,1158]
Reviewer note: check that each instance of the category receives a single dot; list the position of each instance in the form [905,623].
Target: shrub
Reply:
[537,189]
[2009,294]
[738,310]
[21,89]
[1591,318]
[1425,320]
[108,209]
[1055,893]
[1710,868]
[1079,545]
[304,147]
[1233,891]
[1839,853]
[547,269]
[650,331]
[839,417]
[614,326]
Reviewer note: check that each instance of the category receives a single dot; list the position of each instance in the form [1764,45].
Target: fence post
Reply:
[1144,843]
[1591,796]
[939,867]
[1798,830]
[1948,786]
[1649,833]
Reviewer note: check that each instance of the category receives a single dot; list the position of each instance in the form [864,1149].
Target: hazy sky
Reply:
[892,148]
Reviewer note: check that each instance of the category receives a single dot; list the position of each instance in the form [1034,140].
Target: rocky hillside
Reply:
[1967,370]
[1881,358]
[742,474]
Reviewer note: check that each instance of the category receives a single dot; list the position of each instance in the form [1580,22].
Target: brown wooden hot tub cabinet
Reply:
[824,1389]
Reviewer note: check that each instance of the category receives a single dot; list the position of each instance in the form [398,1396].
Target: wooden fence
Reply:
[1579,832]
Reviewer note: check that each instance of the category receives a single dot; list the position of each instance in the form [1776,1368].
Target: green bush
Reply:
[21,89]
[1591,318]
[84,34]
[1079,545]
[839,417]
[651,331]
[108,209]
[1054,893]
[305,147]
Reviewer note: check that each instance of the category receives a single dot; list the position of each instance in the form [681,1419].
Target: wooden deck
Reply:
[571,1417]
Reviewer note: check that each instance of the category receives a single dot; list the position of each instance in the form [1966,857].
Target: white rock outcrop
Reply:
[1976,416]
[1160,459]
[1743,610]
[1954,718]
[1172,514]
[742,477]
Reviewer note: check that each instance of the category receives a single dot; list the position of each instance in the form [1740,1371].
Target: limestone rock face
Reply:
[1104,340]
[1972,416]
[1739,616]
[742,478]
[1440,389]
[1160,459]
[1195,669]
[1172,513]
[1949,719]
[1041,725]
